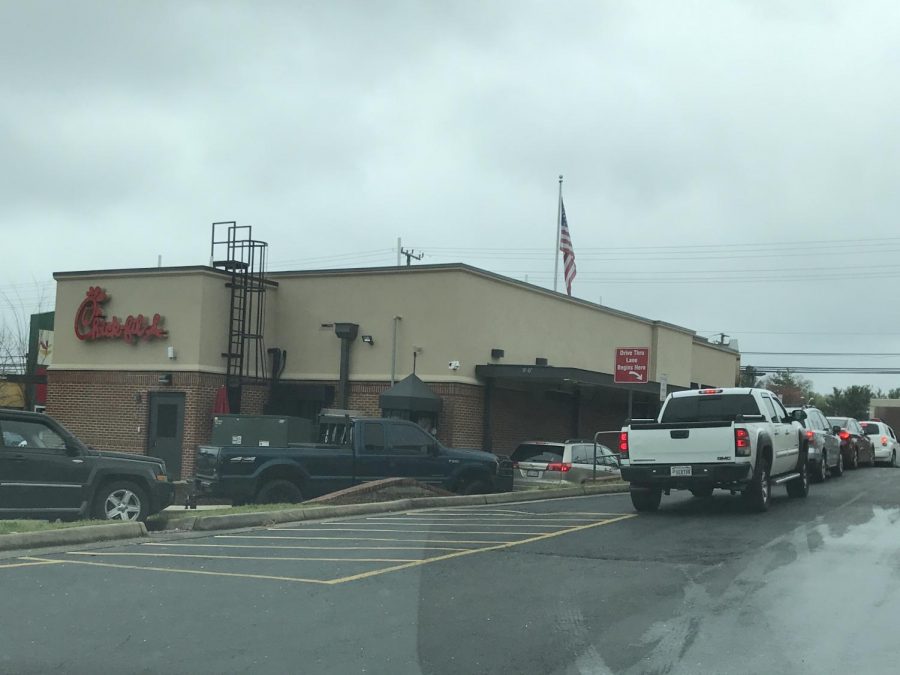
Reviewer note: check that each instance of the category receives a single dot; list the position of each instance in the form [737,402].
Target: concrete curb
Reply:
[70,536]
[242,520]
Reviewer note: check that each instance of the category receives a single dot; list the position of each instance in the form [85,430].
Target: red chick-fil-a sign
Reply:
[91,324]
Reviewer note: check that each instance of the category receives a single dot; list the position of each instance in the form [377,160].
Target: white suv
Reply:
[884,441]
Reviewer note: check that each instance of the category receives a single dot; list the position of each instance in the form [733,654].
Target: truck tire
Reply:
[279,491]
[838,469]
[121,500]
[759,493]
[475,486]
[702,492]
[646,499]
[799,487]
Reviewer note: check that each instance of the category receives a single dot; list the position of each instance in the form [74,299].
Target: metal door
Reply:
[166,430]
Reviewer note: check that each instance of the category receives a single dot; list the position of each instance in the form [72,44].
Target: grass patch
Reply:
[20,526]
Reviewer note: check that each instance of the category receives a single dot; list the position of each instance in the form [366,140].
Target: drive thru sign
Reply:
[632,365]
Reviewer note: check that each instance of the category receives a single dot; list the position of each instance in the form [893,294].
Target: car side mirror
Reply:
[434,450]
[835,430]
[72,450]
[798,415]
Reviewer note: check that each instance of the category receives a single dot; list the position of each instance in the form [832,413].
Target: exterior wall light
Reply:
[368,339]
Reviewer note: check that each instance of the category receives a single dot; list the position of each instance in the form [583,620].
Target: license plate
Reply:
[680,471]
[532,474]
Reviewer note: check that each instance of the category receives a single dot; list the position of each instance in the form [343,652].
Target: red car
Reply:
[856,446]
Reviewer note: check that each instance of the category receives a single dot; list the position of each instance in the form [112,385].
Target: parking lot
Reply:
[340,551]
[579,585]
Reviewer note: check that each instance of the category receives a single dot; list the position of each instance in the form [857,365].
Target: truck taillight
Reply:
[623,444]
[558,466]
[741,442]
[844,434]
[810,434]
[884,440]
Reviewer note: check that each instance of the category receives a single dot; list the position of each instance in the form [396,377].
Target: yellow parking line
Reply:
[313,548]
[426,541]
[423,523]
[311,528]
[459,554]
[464,517]
[201,572]
[238,557]
[496,519]
[33,561]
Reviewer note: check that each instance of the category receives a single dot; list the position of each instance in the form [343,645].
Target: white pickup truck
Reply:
[738,439]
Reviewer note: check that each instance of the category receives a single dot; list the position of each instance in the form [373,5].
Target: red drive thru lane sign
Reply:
[632,365]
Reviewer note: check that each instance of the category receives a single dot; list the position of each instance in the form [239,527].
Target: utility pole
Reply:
[411,255]
[722,337]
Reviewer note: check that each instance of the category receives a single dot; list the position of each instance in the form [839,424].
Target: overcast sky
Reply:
[744,140]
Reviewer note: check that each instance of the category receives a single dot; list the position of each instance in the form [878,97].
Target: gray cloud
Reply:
[333,128]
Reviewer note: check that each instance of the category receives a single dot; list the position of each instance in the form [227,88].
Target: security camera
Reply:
[453,365]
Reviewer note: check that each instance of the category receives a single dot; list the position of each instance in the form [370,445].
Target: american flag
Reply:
[565,245]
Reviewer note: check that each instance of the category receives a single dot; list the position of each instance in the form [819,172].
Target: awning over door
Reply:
[410,394]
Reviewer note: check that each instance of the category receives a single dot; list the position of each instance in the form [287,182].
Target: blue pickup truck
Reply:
[346,451]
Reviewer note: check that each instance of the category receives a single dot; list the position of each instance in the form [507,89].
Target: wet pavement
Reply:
[580,585]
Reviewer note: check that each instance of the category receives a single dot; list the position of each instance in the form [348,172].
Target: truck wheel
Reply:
[799,487]
[279,492]
[821,470]
[121,500]
[759,492]
[838,469]
[475,487]
[702,492]
[646,499]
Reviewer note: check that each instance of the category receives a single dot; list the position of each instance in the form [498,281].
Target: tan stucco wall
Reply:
[713,365]
[191,304]
[452,315]
[670,356]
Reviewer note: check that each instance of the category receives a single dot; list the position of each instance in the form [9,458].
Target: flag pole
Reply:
[558,224]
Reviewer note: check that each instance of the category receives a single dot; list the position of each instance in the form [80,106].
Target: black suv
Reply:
[45,472]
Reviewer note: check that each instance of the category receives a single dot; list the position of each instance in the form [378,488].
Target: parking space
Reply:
[335,552]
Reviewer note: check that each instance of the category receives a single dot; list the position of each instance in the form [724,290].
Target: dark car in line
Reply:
[46,472]
[824,446]
[856,446]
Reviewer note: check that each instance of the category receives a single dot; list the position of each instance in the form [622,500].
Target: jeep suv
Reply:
[45,472]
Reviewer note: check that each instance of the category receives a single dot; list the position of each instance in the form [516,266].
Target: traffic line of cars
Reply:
[743,440]
[839,443]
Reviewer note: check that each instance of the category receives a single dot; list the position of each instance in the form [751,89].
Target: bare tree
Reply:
[16,308]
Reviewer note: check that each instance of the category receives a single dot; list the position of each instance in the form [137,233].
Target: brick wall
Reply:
[111,410]
[460,423]
[518,416]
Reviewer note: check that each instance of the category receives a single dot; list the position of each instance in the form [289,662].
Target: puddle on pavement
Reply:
[822,599]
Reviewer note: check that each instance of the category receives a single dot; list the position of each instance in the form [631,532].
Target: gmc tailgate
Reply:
[687,443]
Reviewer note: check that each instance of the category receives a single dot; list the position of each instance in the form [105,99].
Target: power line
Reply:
[820,353]
[821,370]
